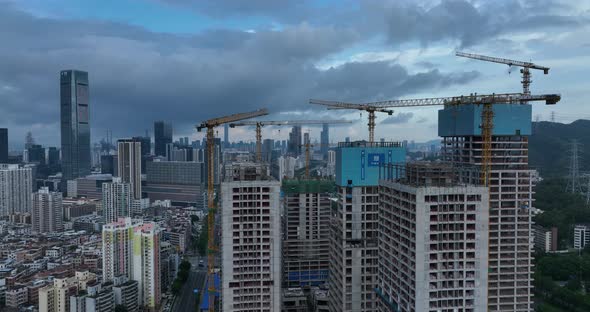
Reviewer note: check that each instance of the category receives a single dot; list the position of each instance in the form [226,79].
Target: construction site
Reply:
[383,232]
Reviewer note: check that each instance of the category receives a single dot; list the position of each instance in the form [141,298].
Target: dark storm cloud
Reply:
[400,118]
[381,80]
[286,10]
[469,24]
[137,76]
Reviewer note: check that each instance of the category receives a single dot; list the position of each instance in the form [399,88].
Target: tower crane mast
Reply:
[525,71]
[211,245]
[262,123]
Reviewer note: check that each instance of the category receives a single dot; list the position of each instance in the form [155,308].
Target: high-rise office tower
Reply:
[132,248]
[306,232]
[162,136]
[511,189]
[146,144]
[16,187]
[267,147]
[75,124]
[250,239]
[36,154]
[354,224]
[325,140]
[108,164]
[3,145]
[129,164]
[47,214]
[116,200]
[433,239]
[29,140]
[53,156]
[294,144]
[226,135]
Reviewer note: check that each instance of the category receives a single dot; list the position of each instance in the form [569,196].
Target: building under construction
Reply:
[511,190]
[250,239]
[433,238]
[306,236]
[354,224]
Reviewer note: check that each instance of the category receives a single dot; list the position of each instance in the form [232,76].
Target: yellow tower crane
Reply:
[370,109]
[211,243]
[525,71]
[308,146]
[261,123]
[487,116]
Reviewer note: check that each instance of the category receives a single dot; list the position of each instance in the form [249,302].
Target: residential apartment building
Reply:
[306,234]
[545,239]
[354,224]
[511,190]
[116,200]
[129,164]
[16,187]
[126,293]
[250,239]
[47,212]
[433,239]
[132,248]
[56,297]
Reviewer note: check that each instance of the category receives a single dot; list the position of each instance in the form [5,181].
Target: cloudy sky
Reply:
[186,61]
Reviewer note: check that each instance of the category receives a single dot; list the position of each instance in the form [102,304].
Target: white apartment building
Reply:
[16,187]
[250,240]
[56,297]
[116,200]
[433,242]
[581,236]
[132,248]
[47,214]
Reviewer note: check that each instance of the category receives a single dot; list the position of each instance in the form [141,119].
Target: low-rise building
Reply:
[545,239]
[581,236]
[17,296]
[126,293]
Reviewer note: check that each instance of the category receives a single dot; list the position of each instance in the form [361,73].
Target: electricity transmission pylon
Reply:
[573,183]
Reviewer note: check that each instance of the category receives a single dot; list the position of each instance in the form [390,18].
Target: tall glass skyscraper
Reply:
[162,136]
[325,140]
[75,124]
[3,145]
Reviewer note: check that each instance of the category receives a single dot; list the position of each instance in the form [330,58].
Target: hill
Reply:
[550,145]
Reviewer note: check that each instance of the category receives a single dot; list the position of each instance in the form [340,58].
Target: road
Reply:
[196,279]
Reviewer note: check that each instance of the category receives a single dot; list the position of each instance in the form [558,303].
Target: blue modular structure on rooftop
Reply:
[465,120]
[357,163]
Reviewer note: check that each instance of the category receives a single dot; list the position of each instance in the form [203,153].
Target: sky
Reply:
[186,61]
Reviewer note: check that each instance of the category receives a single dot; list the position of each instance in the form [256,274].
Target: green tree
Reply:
[120,308]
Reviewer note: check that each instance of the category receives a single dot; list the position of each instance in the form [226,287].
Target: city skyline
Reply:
[381,157]
[360,61]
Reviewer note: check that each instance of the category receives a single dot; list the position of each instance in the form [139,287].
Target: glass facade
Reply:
[3,145]
[75,124]
[162,136]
